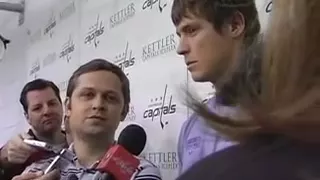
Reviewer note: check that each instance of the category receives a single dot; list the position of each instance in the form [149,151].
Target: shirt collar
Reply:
[75,158]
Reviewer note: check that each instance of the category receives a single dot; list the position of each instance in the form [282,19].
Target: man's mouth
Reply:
[190,63]
[97,117]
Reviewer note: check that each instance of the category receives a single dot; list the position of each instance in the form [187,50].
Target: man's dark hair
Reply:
[218,13]
[37,84]
[101,65]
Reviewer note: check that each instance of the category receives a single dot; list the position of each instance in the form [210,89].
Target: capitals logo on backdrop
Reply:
[67,11]
[122,15]
[63,85]
[131,116]
[125,59]
[163,160]
[150,4]
[160,107]
[95,31]
[52,23]
[49,59]
[67,49]
[35,37]
[269,7]
[35,67]
[159,47]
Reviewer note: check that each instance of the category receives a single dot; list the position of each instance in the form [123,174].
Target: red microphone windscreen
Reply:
[119,163]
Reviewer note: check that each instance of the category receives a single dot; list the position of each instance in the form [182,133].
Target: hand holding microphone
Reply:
[16,151]
[53,175]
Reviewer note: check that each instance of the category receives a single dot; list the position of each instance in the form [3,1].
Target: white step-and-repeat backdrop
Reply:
[137,35]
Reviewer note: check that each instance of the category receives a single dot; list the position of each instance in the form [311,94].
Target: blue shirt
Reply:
[197,140]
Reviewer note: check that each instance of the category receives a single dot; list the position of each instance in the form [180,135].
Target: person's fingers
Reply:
[52,175]
[16,160]
[27,148]
[18,145]
[28,176]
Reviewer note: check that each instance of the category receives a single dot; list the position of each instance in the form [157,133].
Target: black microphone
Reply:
[133,138]
[119,162]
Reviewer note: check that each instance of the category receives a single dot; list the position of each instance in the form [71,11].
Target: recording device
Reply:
[120,163]
[62,155]
[39,144]
[133,138]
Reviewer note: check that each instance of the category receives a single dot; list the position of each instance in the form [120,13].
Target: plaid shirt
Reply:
[71,169]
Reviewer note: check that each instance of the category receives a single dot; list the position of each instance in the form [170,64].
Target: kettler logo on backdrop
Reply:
[122,15]
[269,7]
[163,160]
[52,23]
[95,31]
[125,59]
[67,49]
[49,59]
[159,47]
[150,4]
[35,67]
[159,107]
[63,85]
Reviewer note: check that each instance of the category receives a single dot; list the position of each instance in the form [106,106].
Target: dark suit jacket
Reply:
[262,158]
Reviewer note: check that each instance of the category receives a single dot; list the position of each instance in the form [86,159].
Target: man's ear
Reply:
[236,25]
[67,104]
[26,115]
[124,112]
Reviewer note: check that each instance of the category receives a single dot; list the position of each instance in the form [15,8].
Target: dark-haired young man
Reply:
[213,35]
[98,97]
[43,110]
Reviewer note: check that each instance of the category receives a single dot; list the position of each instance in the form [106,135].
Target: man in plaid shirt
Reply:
[97,99]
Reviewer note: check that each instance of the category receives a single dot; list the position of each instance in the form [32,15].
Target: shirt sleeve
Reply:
[181,146]
[147,171]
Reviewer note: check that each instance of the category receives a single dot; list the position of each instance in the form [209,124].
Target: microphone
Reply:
[133,138]
[120,163]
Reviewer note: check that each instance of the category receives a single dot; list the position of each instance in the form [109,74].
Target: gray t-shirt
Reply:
[72,170]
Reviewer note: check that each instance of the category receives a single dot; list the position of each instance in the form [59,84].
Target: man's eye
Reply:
[189,30]
[87,94]
[36,108]
[112,98]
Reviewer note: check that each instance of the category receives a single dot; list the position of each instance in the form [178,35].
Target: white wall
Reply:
[12,76]
[150,79]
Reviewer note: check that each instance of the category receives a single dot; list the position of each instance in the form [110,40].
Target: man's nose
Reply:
[183,46]
[99,103]
[47,109]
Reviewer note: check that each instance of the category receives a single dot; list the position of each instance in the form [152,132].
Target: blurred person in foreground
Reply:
[278,129]
[97,99]
[43,110]
[213,33]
